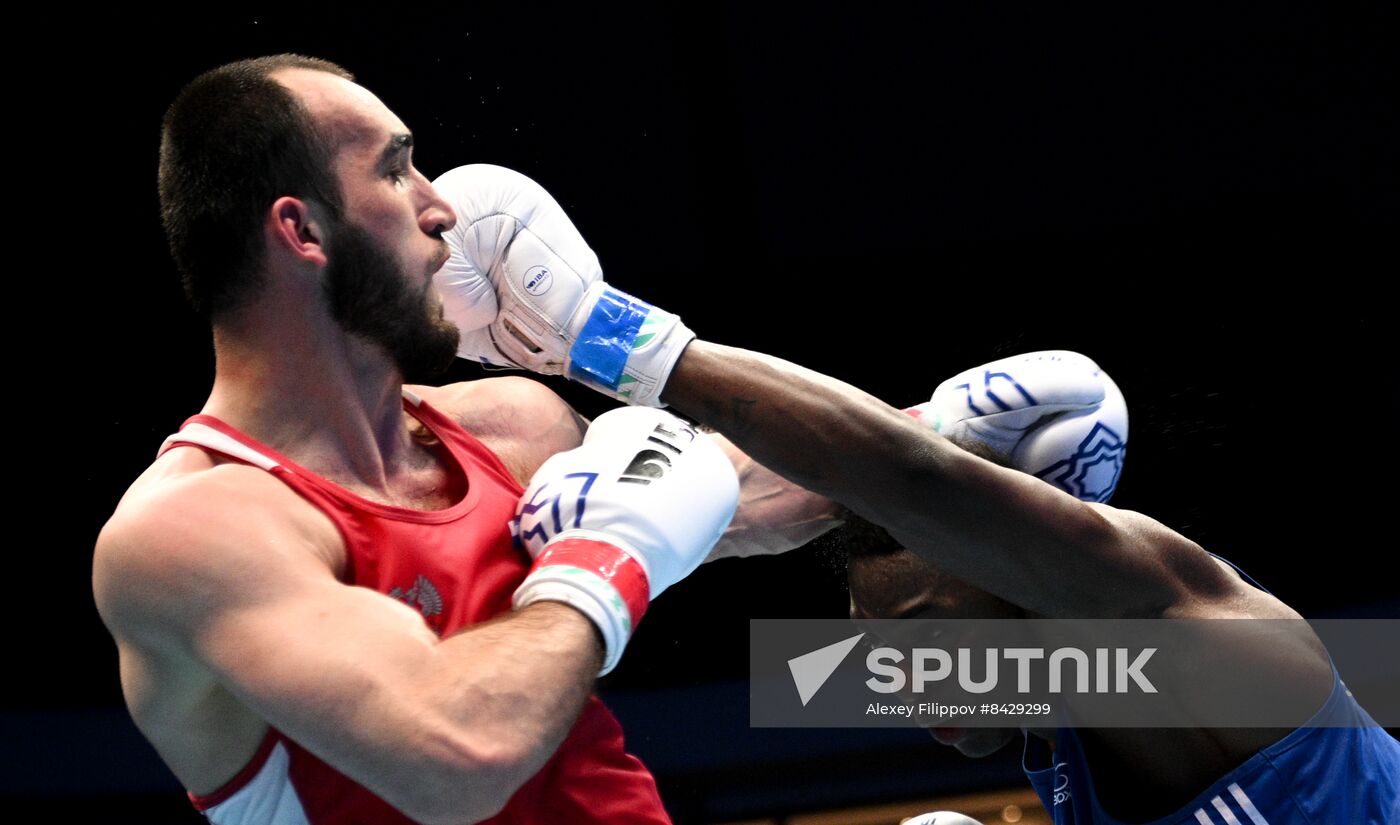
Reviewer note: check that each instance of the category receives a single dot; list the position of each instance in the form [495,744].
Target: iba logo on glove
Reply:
[537,280]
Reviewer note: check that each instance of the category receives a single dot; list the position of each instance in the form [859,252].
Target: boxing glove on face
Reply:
[1052,414]
[628,513]
[525,290]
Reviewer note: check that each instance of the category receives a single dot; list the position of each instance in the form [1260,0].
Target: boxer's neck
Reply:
[329,400]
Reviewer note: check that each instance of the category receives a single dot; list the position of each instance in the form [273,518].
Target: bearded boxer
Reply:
[1015,544]
[321,613]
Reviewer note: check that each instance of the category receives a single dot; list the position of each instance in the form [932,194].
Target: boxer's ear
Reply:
[295,229]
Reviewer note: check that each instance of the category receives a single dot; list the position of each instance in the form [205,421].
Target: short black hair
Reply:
[232,143]
[857,537]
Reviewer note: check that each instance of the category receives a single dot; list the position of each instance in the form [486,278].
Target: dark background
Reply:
[1203,201]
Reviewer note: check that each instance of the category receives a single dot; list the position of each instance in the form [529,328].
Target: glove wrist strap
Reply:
[626,347]
[600,580]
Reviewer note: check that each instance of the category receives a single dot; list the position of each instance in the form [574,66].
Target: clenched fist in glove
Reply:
[628,513]
[526,291]
[1053,414]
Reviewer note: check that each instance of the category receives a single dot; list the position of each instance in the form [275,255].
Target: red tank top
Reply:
[457,567]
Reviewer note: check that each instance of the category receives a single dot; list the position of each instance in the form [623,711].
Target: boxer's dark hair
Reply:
[855,538]
[233,142]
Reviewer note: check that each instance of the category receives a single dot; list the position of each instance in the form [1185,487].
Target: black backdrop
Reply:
[1204,202]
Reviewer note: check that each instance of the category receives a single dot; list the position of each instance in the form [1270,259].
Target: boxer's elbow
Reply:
[464,779]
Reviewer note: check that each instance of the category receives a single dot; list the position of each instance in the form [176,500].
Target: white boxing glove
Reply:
[1052,414]
[493,205]
[630,512]
[940,818]
[549,310]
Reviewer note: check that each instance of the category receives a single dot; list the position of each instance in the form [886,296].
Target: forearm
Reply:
[1000,530]
[821,434]
[447,730]
[514,688]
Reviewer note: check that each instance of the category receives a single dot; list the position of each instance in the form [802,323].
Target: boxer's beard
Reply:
[370,297]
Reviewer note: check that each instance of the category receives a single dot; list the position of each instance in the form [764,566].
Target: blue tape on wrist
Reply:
[603,345]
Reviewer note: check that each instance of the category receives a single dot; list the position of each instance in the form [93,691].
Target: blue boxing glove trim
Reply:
[603,346]
[1091,472]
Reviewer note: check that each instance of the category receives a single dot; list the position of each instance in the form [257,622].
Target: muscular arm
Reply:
[1002,531]
[209,570]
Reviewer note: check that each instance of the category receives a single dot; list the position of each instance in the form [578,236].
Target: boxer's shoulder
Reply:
[497,404]
[1202,585]
[194,539]
[193,519]
[521,420]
